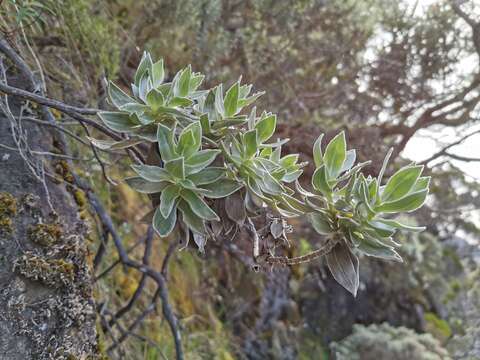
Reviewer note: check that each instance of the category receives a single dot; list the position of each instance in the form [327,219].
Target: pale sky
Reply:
[427,142]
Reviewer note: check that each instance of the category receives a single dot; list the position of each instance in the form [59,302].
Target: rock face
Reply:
[47,310]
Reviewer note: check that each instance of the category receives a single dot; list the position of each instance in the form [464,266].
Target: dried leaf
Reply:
[344,267]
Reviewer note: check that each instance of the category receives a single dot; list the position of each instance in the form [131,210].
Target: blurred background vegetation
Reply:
[387,71]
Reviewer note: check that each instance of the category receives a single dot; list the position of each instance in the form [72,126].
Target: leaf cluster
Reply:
[213,153]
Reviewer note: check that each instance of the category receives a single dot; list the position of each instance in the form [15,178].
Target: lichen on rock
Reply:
[45,234]
[52,272]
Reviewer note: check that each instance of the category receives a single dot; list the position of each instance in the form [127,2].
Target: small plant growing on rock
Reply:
[214,170]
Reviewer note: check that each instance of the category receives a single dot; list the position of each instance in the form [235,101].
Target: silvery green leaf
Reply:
[114,145]
[266,164]
[207,175]
[335,154]
[276,144]
[289,160]
[220,124]
[252,118]
[401,226]
[146,132]
[118,121]
[176,167]
[353,170]
[320,223]
[200,160]
[164,226]
[144,118]
[180,102]
[320,182]
[134,108]
[422,183]
[145,64]
[364,196]
[194,223]
[182,86]
[235,207]
[269,184]
[292,176]
[230,102]
[266,127]
[295,204]
[189,146]
[144,186]
[205,123]
[266,153]
[195,81]
[185,141]
[401,183]
[209,105]
[157,73]
[198,205]
[155,99]
[408,203]
[188,184]
[317,151]
[222,188]
[384,167]
[166,144]
[117,96]
[219,100]
[302,191]
[167,199]
[375,249]
[376,238]
[144,87]
[344,267]
[165,89]
[250,143]
[347,222]
[244,90]
[282,211]
[250,100]
[152,173]
[349,161]
[372,191]
[381,228]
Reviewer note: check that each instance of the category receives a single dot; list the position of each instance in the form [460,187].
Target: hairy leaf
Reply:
[167,199]
[335,154]
[401,183]
[221,188]
[198,205]
[144,186]
[152,173]
[164,226]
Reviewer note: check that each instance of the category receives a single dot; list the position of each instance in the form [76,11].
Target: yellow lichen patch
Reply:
[80,198]
[45,234]
[52,272]
[8,209]
[437,327]
[61,168]
[126,282]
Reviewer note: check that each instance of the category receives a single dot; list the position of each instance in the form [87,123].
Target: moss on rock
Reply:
[8,209]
